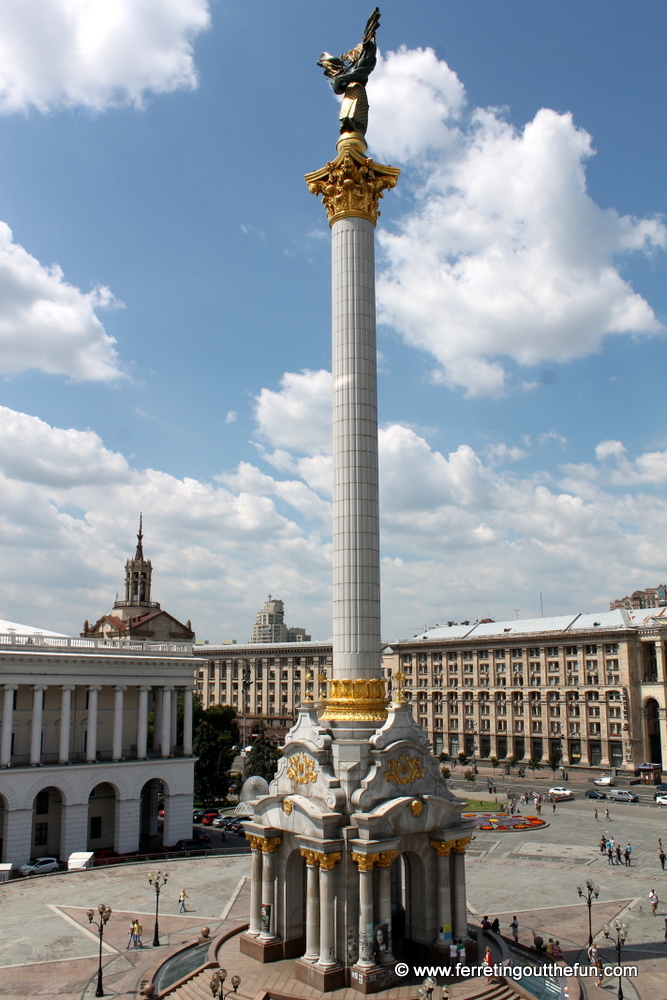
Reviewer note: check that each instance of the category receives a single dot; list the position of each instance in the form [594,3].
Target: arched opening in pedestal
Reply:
[407,902]
[294,903]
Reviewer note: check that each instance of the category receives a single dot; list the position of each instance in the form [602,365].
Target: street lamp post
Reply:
[217,984]
[592,891]
[245,688]
[158,881]
[618,940]
[104,914]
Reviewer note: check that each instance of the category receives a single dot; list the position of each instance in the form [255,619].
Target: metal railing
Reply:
[117,645]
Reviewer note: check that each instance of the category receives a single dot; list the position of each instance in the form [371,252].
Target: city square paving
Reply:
[48,949]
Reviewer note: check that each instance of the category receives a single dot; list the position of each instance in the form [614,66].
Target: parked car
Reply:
[201,836]
[189,845]
[209,816]
[606,780]
[197,815]
[623,795]
[40,866]
[593,793]
[661,800]
[107,856]
[220,822]
[560,793]
[660,790]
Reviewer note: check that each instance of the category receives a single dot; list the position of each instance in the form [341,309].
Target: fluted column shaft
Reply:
[312,912]
[356,539]
[255,892]
[268,919]
[366,922]
[384,908]
[36,730]
[444,891]
[65,722]
[460,929]
[7,724]
[91,738]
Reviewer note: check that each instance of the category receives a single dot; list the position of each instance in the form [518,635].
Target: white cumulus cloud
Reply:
[95,53]
[504,254]
[48,324]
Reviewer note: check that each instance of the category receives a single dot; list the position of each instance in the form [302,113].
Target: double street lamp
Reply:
[618,940]
[217,984]
[592,892]
[104,914]
[158,881]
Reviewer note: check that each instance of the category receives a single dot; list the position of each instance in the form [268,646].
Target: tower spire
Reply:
[140,538]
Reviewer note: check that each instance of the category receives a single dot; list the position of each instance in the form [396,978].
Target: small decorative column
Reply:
[385,861]
[117,745]
[327,928]
[443,850]
[36,730]
[460,903]
[312,952]
[255,886]
[165,736]
[365,864]
[268,916]
[142,722]
[187,723]
[7,723]
[65,720]
[91,739]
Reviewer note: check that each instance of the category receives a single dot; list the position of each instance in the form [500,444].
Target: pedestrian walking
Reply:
[628,851]
[595,813]
[182,896]
[607,816]
[453,951]
[662,858]
[514,927]
[138,931]
[626,857]
[653,900]
[610,855]
[495,926]
[461,951]
[617,852]
[603,845]
[130,935]
[553,806]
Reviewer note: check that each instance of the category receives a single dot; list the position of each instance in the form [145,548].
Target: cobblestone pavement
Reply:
[47,948]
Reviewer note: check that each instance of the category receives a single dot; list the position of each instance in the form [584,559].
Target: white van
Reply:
[622,795]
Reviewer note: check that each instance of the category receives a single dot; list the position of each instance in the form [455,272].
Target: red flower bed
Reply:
[503,822]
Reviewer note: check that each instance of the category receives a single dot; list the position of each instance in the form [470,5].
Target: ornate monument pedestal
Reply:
[358,849]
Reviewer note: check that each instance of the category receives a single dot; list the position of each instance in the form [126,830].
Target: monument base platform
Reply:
[261,951]
[324,980]
[374,979]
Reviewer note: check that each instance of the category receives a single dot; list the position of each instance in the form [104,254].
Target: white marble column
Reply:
[142,722]
[660,660]
[157,718]
[312,906]
[356,549]
[327,926]
[460,907]
[255,887]
[165,735]
[444,891]
[174,721]
[117,746]
[366,923]
[384,901]
[7,723]
[268,889]
[91,738]
[65,722]
[36,724]
[187,722]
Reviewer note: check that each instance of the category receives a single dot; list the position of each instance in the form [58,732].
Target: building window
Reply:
[537,727]
[42,804]
[407,658]
[575,728]
[483,654]
[611,647]
[591,650]
[615,728]
[499,654]
[95,827]
[552,650]
[518,726]
[533,652]
[571,650]
[467,655]
[594,728]
[41,834]
[517,653]
[452,656]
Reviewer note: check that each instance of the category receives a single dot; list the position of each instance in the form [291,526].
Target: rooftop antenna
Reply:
[517,610]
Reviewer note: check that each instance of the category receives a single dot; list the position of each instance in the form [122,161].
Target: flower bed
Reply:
[504,823]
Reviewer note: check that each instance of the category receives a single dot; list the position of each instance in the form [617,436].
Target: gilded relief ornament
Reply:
[266,845]
[403,770]
[459,846]
[288,805]
[399,688]
[356,699]
[365,862]
[327,861]
[416,807]
[301,768]
[442,848]
[386,858]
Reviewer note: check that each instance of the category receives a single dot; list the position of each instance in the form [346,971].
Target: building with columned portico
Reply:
[78,770]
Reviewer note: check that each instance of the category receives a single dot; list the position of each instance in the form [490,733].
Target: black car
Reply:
[592,793]
[659,790]
[189,845]
[197,816]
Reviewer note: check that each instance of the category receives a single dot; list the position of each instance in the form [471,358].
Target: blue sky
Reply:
[175,359]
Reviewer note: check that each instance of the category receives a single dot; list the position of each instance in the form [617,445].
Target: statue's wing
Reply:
[372,25]
[330,64]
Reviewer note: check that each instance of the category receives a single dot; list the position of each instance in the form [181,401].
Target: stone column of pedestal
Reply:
[255,886]
[187,722]
[91,738]
[268,914]
[327,956]
[460,929]
[165,735]
[312,952]
[36,724]
[142,723]
[365,864]
[443,851]
[385,862]
[7,724]
[65,722]
[117,744]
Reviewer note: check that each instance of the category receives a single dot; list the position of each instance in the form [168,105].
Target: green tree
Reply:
[445,772]
[263,758]
[462,758]
[554,760]
[469,775]
[534,764]
[494,762]
[214,742]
